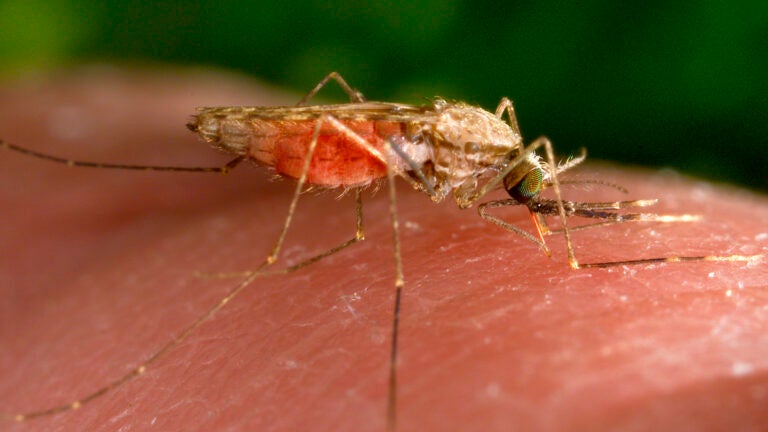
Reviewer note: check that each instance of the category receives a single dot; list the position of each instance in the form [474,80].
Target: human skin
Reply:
[101,268]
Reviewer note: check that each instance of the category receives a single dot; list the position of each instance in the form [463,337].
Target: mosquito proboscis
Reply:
[442,149]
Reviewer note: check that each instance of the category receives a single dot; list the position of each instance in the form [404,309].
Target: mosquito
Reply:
[441,149]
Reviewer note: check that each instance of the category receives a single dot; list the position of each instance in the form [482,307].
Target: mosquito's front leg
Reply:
[549,207]
[506,105]
[354,95]
[607,215]
[550,160]
[482,210]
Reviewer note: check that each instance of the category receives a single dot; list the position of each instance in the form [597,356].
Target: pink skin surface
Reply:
[98,271]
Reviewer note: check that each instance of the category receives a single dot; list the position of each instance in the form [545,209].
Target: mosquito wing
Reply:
[280,137]
[373,111]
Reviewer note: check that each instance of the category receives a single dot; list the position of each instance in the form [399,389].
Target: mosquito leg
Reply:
[87,164]
[675,259]
[425,185]
[249,278]
[354,95]
[303,178]
[139,370]
[272,257]
[399,283]
[507,226]
[492,183]
[399,280]
[558,197]
[359,236]
[505,105]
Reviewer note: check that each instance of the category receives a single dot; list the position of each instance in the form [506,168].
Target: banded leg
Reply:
[354,95]
[248,280]
[229,166]
[538,222]
[250,277]
[505,105]
[386,157]
[399,284]
[483,211]
[491,184]
[599,210]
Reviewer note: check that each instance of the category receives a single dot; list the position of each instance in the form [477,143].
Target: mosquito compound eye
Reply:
[528,187]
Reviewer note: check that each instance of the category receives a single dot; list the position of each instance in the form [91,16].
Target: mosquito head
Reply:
[525,181]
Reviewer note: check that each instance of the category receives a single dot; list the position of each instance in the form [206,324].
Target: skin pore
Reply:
[101,268]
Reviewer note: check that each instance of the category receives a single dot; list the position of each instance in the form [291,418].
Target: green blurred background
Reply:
[676,84]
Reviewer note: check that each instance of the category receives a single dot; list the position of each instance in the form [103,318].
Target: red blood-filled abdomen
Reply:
[337,161]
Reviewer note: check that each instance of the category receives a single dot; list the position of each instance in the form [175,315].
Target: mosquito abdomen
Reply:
[283,145]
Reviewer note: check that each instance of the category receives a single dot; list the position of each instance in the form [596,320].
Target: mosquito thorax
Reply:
[469,143]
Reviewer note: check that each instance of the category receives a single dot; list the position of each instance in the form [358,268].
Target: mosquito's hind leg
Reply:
[301,181]
[359,236]
[354,95]
[229,166]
